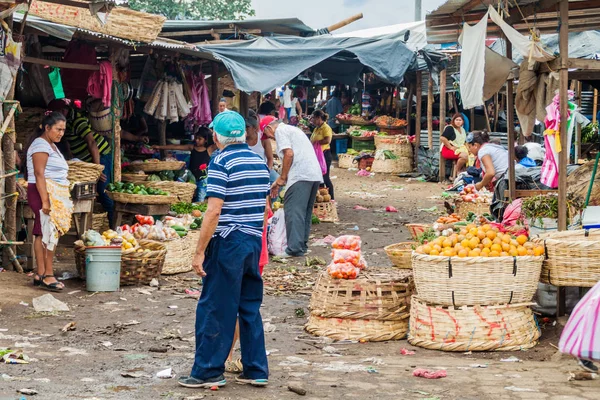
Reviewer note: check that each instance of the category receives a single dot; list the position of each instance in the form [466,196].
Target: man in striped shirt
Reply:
[227,257]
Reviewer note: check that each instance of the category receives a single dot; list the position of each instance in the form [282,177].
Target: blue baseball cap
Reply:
[229,123]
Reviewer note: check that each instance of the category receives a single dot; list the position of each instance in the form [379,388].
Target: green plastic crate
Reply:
[362,145]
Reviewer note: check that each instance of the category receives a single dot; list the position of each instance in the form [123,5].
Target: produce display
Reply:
[354,109]
[347,258]
[195,209]
[470,194]
[351,119]
[391,122]
[119,238]
[132,188]
[323,196]
[385,155]
[484,241]
[363,133]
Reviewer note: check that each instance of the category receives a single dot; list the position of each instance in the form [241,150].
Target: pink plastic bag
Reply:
[320,157]
[581,335]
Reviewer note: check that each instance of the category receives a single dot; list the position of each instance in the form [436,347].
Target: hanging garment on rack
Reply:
[75,81]
[200,112]
[100,83]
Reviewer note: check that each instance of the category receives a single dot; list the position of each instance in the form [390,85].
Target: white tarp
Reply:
[416,41]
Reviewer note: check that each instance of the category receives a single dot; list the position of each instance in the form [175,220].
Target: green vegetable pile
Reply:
[389,155]
[354,110]
[132,188]
[546,206]
[188,208]
[427,236]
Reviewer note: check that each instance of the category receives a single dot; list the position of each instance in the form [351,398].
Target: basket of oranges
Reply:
[477,266]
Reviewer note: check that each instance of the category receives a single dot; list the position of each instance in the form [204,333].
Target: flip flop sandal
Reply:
[234,367]
[37,282]
[52,287]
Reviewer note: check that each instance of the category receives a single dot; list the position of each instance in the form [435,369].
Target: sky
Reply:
[322,13]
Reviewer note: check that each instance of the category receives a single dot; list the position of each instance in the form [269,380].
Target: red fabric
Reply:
[75,81]
[448,154]
[266,121]
[35,202]
[423,373]
[100,83]
[264,252]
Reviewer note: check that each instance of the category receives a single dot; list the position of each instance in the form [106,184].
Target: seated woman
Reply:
[521,153]
[493,158]
[453,144]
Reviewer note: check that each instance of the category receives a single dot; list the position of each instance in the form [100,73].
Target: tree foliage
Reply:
[196,9]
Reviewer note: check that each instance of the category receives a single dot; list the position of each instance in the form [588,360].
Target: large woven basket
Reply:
[80,171]
[392,130]
[179,256]
[136,268]
[346,161]
[376,294]
[326,212]
[417,229]
[157,166]
[397,166]
[101,121]
[478,328]
[398,145]
[183,191]
[469,281]
[368,330]
[134,178]
[572,259]
[100,222]
[462,208]
[400,254]
[127,198]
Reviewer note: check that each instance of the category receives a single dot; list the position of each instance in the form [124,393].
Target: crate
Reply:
[365,162]
[341,146]
[83,191]
[363,145]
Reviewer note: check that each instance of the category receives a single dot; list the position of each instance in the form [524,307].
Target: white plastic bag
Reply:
[277,239]
[580,336]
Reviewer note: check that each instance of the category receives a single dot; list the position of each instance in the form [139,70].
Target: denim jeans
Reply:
[107,203]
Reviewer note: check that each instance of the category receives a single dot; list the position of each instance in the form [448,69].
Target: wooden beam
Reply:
[563,92]
[528,193]
[211,32]
[214,88]
[70,3]
[442,119]
[117,122]
[430,112]
[529,10]
[585,75]
[60,64]
[419,88]
[408,109]
[595,106]
[510,128]
[344,22]
[243,104]
[577,152]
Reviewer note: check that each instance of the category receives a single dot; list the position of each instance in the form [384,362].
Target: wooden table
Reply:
[82,220]
[122,209]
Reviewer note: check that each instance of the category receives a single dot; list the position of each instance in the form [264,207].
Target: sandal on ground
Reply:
[53,287]
[37,282]
[234,366]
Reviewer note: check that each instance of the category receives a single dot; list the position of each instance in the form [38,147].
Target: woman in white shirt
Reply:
[493,158]
[43,166]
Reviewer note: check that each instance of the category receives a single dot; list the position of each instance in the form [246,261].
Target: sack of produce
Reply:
[347,242]
[349,257]
[342,271]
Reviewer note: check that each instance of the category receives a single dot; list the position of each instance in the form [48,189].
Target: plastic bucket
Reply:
[103,269]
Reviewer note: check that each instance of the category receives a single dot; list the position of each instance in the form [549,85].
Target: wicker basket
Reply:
[392,130]
[469,281]
[400,254]
[397,166]
[462,208]
[326,212]
[100,222]
[183,191]
[80,171]
[136,268]
[401,148]
[417,229]
[127,198]
[368,330]
[346,161]
[134,178]
[179,256]
[356,120]
[101,121]
[157,166]
[377,294]
[479,328]
[571,258]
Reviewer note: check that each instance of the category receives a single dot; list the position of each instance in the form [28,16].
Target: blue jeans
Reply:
[106,201]
[232,286]
[200,194]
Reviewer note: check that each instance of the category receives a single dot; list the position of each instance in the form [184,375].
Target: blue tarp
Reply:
[268,62]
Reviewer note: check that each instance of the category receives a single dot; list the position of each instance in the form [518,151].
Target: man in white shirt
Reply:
[301,174]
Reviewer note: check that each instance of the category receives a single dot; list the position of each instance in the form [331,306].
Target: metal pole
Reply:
[418,10]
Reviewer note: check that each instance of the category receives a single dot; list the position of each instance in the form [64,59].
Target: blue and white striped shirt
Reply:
[241,178]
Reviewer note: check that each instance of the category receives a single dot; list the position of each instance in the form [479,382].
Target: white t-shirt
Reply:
[499,156]
[287,97]
[258,147]
[293,112]
[305,166]
[56,168]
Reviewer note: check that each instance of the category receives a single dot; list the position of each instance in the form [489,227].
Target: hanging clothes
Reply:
[100,83]
[75,81]
[200,112]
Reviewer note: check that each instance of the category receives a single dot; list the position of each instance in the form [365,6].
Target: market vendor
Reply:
[453,144]
[200,152]
[522,159]
[493,158]
[323,135]
[333,108]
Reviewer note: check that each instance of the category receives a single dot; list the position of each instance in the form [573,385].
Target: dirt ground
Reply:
[142,330]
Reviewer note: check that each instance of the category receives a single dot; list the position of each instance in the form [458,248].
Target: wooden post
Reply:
[496,110]
[398,103]
[214,87]
[564,81]
[116,123]
[442,170]
[595,107]
[419,89]
[162,136]
[10,183]
[510,128]
[243,104]
[430,113]
[577,152]
[408,109]
[472,117]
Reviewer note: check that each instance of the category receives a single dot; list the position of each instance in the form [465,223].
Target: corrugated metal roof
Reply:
[283,26]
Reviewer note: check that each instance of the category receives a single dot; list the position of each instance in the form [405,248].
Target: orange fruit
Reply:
[474,242]
[506,238]
[481,235]
[486,227]
[522,251]
[538,251]
[529,245]
[468,236]
[521,239]
[454,240]
[513,252]
[485,252]
[495,229]
[505,246]
[513,242]
[474,231]
[471,226]
[491,234]
[494,253]
[463,231]
[463,253]
[426,249]
[461,237]
[504,254]
[449,252]
[437,248]
[466,244]
[477,251]
[434,252]
[447,243]
[496,248]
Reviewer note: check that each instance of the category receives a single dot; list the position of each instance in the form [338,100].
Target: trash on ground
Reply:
[429,374]
[582,376]
[73,351]
[391,209]
[354,228]
[324,242]
[154,282]
[165,373]
[269,327]
[429,210]
[134,375]
[73,292]
[15,357]
[106,344]
[297,389]
[48,303]
[357,207]
[69,327]
[67,275]
[518,389]
[373,360]
[22,303]
[145,291]
[330,350]
[173,307]
[26,391]
[314,261]
[406,352]
[192,292]
[372,370]
[511,359]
